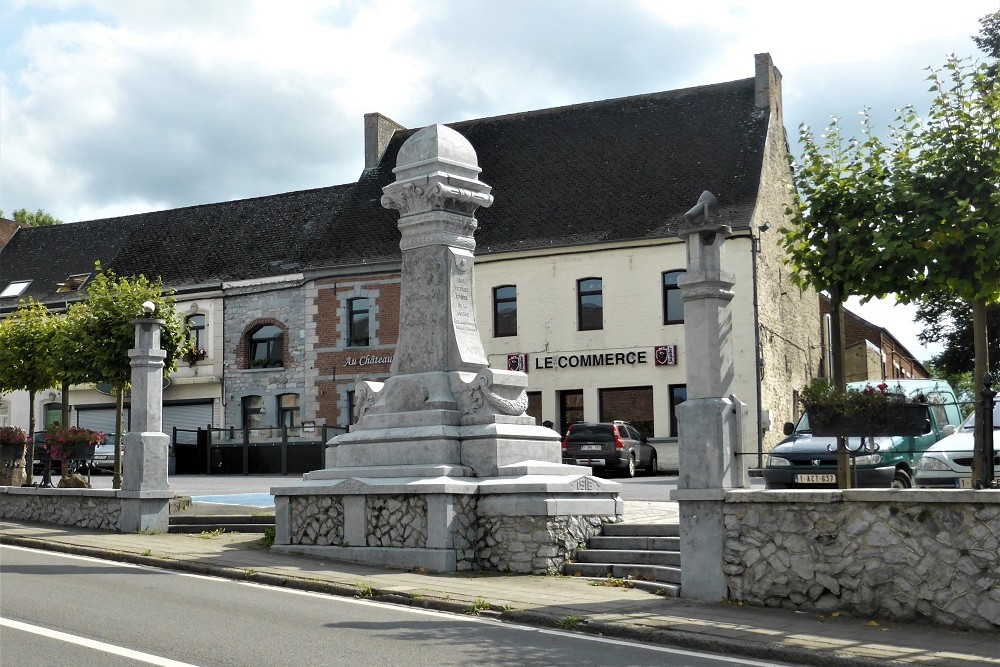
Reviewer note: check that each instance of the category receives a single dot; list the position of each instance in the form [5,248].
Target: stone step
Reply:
[646,573]
[628,556]
[230,523]
[642,529]
[224,527]
[222,519]
[636,543]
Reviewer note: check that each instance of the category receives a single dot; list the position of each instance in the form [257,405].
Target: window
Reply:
[350,408]
[267,347]
[590,304]
[673,307]
[678,394]
[73,283]
[4,414]
[357,322]
[631,404]
[288,411]
[195,325]
[253,411]
[15,288]
[504,311]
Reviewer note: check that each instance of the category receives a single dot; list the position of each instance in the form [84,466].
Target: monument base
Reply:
[528,519]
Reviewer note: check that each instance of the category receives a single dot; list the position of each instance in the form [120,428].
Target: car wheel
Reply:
[629,470]
[651,470]
[901,480]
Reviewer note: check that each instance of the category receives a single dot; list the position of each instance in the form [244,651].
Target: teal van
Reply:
[802,461]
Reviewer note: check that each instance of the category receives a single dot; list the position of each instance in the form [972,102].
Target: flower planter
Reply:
[9,452]
[904,419]
[79,452]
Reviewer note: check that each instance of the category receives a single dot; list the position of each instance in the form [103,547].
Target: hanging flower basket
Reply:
[72,444]
[874,411]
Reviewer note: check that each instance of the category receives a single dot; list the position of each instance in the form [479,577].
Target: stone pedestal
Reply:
[145,492]
[443,469]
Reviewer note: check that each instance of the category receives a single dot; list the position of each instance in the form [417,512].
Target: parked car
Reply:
[948,463]
[608,446]
[104,455]
[802,461]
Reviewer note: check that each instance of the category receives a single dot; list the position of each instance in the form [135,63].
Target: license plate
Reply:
[965,482]
[590,448]
[816,479]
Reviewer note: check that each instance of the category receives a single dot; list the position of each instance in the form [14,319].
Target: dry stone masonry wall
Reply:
[85,511]
[397,521]
[901,560]
[318,520]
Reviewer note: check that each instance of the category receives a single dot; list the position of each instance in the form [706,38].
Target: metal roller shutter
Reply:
[189,416]
[99,419]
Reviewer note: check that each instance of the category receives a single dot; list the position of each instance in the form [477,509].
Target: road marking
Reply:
[148,658]
[416,611]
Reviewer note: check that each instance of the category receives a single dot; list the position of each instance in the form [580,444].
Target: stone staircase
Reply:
[229,523]
[647,555]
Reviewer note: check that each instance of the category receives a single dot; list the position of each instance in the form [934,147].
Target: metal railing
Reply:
[273,450]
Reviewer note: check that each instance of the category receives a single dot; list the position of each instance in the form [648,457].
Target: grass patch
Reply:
[479,605]
[569,622]
[268,539]
[147,552]
[364,589]
[211,534]
[612,582]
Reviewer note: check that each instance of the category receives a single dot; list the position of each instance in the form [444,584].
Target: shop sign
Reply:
[665,355]
[368,360]
[517,362]
[592,359]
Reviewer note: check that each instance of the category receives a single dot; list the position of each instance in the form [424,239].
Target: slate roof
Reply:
[613,170]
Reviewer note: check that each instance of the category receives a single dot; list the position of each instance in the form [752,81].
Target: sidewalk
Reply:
[769,634]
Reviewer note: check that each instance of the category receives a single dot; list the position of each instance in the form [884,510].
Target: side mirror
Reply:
[788,428]
[948,429]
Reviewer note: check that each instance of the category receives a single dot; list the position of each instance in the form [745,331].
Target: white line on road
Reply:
[656,648]
[94,644]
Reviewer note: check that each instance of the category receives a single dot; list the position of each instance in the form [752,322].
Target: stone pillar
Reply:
[436,191]
[710,420]
[145,492]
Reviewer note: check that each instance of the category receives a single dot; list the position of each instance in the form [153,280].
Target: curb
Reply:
[675,638]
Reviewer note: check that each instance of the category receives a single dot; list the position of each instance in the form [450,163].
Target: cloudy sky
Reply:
[110,107]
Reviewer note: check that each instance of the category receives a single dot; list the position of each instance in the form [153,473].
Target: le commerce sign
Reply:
[663,355]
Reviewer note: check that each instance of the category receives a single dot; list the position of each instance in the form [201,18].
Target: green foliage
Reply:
[947,320]
[988,40]
[842,191]
[26,360]
[946,167]
[105,331]
[37,219]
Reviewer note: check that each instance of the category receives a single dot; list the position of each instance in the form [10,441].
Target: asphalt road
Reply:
[69,610]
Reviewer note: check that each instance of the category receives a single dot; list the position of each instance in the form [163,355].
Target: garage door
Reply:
[189,417]
[99,419]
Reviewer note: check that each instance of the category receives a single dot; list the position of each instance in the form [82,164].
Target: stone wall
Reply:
[900,555]
[519,544]
[65,507]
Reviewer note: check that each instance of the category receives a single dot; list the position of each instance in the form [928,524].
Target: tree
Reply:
[26,361]
[831,231]
[947,166]
[37,219]
[107,333]
[947,321]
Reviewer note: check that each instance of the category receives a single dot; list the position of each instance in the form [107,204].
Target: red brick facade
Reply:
[897,361]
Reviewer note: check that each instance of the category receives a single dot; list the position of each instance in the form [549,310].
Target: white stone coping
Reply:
[561,484]
[412,471]
[927,496]
[86,493]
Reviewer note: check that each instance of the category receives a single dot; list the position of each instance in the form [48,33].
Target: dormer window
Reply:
[15,288]
[73,283]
